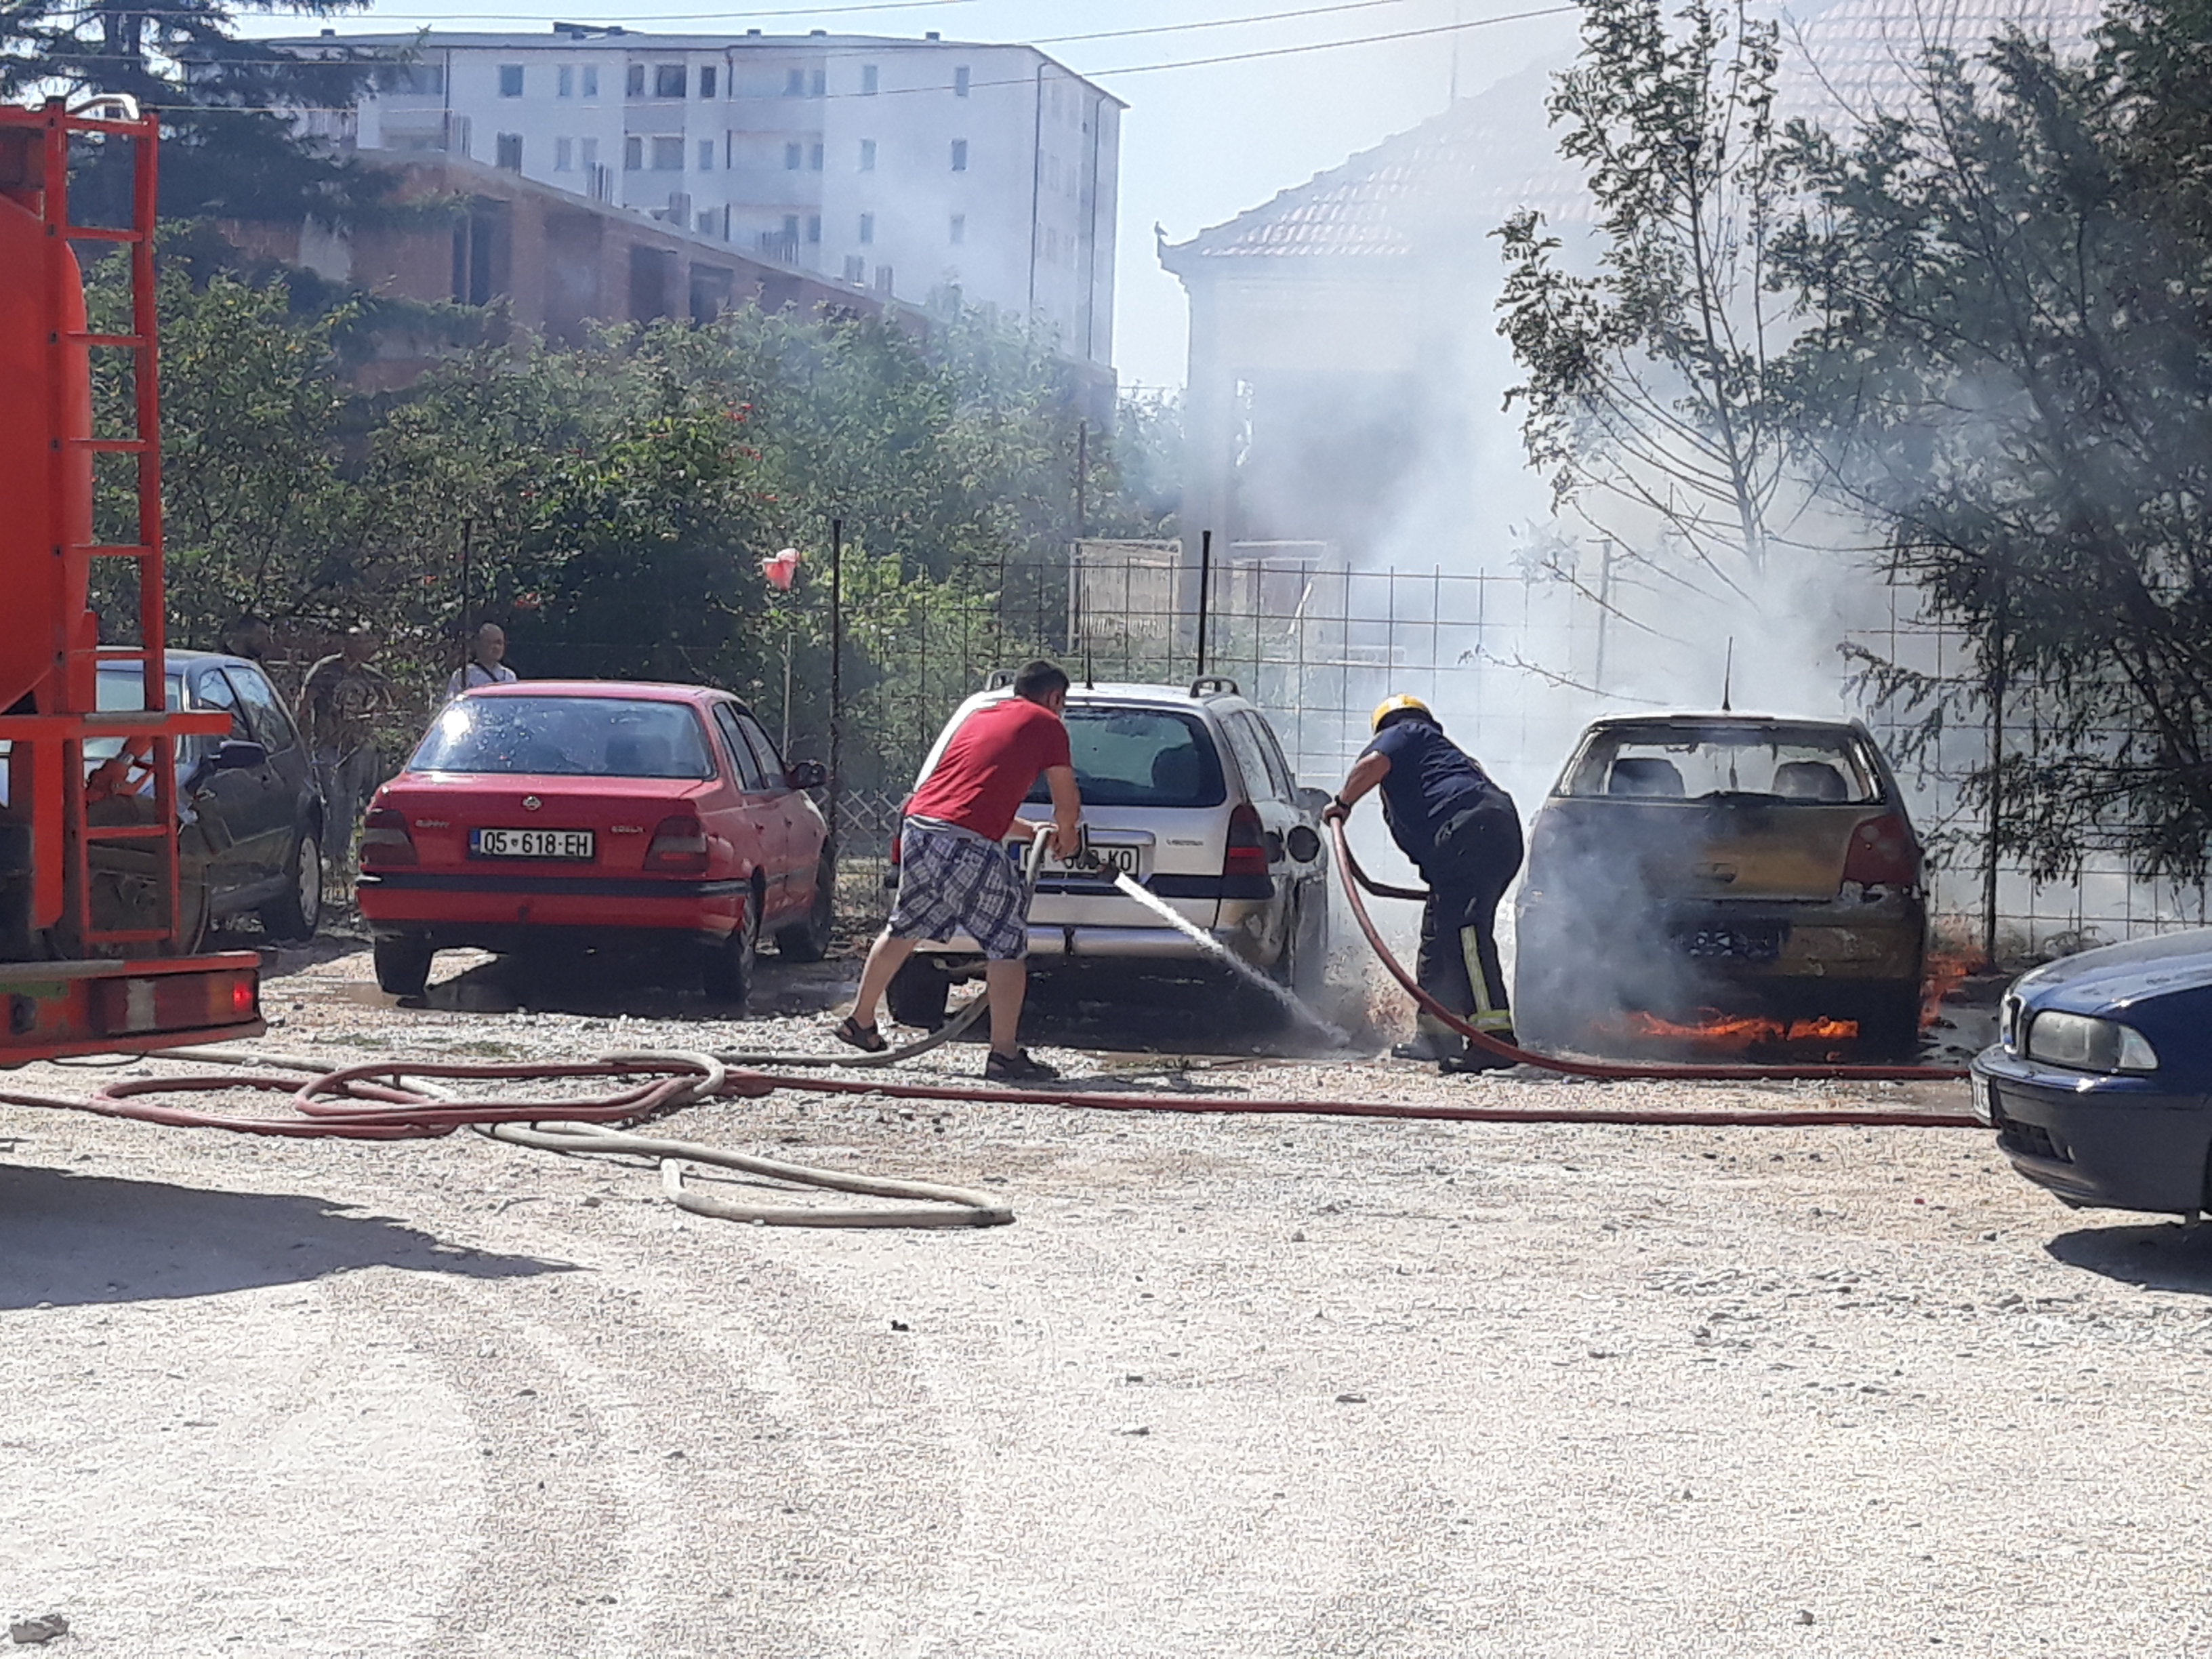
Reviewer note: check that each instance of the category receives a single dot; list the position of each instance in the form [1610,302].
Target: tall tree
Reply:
[1646,372]
[238,115]
[2008,369]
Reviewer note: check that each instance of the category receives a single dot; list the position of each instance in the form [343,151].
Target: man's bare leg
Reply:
[1006,983]
[885,957]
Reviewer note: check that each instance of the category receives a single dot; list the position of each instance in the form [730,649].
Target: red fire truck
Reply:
[95,942]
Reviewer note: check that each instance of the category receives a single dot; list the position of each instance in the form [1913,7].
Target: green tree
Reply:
[2010,310]
[1646,393]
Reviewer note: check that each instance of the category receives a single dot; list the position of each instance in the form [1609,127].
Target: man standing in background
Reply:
[486,663]
[340,703]
[1462,832]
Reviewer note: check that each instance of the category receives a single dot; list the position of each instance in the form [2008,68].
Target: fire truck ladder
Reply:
[149,732]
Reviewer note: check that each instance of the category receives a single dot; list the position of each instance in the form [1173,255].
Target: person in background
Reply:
[340,701]
[1462,832]
[486,663]
[954,873]
[248,636]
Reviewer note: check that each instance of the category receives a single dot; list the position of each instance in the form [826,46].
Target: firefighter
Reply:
[1461,829]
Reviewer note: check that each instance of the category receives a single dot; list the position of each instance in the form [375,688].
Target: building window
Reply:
[817,83]
[814,158]
[959,229]
[564,155]
[883,280]
[419,79]
[856,268]
[707,221]
[510,80]
[794,84]
[791,228]
[634,82]
[565,82]
[587,151]
[867,228]
[633,155]
[868,156]
[509,151]
[1051,248]
[960,155]
[868,80]
[791,158]
[707,80]
[668,155]
[706,155]
[960,82]
[814,228]
[591,80]
[668,80]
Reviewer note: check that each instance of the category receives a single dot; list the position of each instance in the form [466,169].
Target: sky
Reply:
[1199,144]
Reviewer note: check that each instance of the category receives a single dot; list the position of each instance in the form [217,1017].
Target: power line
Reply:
[89,12]
[1251,56]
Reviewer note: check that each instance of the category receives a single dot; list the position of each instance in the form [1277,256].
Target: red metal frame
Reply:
[52,1007]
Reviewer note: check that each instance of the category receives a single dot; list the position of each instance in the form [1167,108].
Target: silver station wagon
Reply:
[1185,790]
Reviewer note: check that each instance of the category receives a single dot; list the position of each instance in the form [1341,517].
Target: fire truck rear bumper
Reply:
[56,1008]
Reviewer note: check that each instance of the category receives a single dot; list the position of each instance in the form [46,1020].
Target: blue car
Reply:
[2101,1089]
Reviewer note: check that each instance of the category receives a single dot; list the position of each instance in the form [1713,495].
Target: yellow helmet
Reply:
[1395,705]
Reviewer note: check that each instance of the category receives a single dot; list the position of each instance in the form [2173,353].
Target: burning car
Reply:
[1690,868]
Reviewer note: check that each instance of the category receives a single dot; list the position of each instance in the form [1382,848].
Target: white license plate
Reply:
[1981,1088]
[1112,860]
[531,843]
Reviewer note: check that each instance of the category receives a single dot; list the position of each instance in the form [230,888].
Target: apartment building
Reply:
[897,166]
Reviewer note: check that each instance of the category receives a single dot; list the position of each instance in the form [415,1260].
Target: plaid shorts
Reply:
[948,880]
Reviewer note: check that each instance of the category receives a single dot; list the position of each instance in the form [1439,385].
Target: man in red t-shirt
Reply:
[954,873]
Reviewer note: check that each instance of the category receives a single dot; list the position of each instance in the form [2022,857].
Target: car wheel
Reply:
[809,940]
[403,964]
[298,911]
[725,970]
[918,995]
[1305,963]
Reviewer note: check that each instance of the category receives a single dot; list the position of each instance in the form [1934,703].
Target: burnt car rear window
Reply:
[1813,766]
[578,736]
[1141,757]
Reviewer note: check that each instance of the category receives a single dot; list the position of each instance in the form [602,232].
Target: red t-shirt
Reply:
[988,765]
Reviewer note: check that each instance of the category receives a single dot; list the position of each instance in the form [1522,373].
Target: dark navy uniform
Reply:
[1449,817]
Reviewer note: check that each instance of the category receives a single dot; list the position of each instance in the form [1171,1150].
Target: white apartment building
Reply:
[898,166]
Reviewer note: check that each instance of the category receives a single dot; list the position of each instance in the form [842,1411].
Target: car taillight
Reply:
[384,838]
[679,848]
[1247,844]
[1882,853]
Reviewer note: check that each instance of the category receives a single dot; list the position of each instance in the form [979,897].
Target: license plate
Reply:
[1731,944]
[1984,1107]
[531,844]
[1113,861]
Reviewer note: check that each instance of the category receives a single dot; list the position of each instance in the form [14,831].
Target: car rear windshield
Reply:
[120,689]
[579,736]
[1814,766]
[1141,757]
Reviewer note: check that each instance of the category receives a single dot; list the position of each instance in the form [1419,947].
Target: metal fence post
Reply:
[836,673]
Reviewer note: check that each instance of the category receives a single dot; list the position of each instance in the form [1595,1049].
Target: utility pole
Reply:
[836,673]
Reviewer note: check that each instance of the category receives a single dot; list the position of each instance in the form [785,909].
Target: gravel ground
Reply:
[1230,1386]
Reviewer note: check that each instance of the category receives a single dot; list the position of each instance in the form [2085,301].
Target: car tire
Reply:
[725,970]
[402,963]
[919,993]
[297,912]
[809,940]
[1305,962]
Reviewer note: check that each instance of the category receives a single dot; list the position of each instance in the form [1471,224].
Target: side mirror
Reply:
[236,755]
[806,775]
[1303,843]
[1314,801]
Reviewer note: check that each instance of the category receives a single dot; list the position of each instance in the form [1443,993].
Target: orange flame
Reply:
[1733,1033]
[1946,968]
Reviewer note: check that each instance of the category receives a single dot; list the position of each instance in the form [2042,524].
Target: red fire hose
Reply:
[1354,878]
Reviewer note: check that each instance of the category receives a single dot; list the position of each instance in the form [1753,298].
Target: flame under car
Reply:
[1689,871]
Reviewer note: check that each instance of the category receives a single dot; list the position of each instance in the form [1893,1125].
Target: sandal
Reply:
[867,1038]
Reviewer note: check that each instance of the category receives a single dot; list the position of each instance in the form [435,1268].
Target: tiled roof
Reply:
[1441,186]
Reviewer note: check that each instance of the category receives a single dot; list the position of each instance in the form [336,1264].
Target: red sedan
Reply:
[597,813]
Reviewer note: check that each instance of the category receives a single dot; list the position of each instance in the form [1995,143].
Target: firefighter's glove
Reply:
[1336,813]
